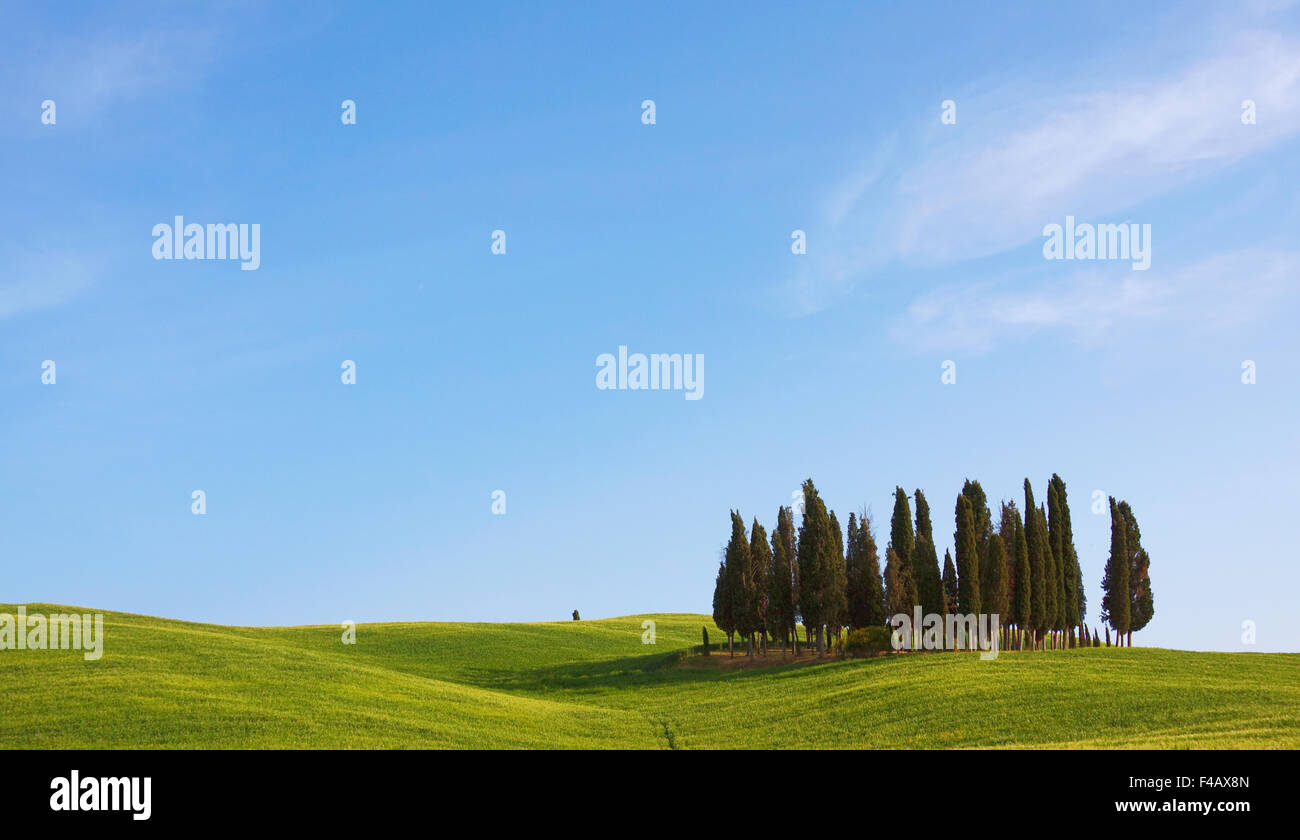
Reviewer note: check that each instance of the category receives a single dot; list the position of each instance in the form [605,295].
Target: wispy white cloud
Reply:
[39,281]
[1218,293]
[1095,153]
[87,76]
[1022,155]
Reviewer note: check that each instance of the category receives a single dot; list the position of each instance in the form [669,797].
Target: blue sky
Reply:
[476,371]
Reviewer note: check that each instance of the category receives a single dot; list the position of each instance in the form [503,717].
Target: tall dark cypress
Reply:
[873,588]
[897,599]
[949,582]
[722,615]
[1051,582]
[1021,614]
[993,579]
[1055,533]
[1074,600]
[780,598]
[815,552]
[738,574]
[903,543]
[965,540]
[1141,600]
[1007,516]
[981,517]
[786,534]
[835,601]
[925,562]
[760,570]
[1038,616]
[863,592]
[901,538]
[1116,598]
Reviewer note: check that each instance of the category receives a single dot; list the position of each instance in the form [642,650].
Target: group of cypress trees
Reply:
[1026,570]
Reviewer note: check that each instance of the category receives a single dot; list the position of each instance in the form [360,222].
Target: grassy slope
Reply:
[165,683]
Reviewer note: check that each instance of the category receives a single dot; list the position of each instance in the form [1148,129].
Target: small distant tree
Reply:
[705,631]
[575,616]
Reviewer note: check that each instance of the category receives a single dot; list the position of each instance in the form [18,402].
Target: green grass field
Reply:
[593,684]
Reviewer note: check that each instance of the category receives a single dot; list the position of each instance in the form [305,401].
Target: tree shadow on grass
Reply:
[656,669]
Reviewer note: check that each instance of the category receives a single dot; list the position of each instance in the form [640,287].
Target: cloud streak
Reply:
[1021,158]
[1220,292]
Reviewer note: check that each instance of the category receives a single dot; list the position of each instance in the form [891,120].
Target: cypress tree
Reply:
[981,518]
[949,582]
[836,585]
[902,539]
[786,533]
[742,592]
[780,599]
[815,555]
[929,585]
[1074,600]
[1141,600]
[863,590]
[1007,516]
[903,542]
[1051,582]
[1116,597]
[1057,547]
[1021,614]
[925,562]
[993,579]
[853,576]
[966,542]
[722,615]
[873,587]
[1038,615]
[760,570]
[896,593]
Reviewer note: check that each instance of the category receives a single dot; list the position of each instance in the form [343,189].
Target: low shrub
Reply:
[869,641]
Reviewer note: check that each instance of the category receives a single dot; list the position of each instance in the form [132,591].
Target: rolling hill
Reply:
[593,684]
